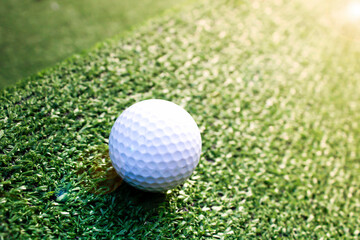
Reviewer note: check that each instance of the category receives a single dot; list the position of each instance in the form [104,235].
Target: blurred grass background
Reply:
[35,34]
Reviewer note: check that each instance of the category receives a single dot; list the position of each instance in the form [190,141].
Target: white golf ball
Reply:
[155,145]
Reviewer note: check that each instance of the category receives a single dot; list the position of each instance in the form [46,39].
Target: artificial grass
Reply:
[36,34]
[274,90]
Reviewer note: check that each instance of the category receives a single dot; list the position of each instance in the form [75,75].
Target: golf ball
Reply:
[155,145]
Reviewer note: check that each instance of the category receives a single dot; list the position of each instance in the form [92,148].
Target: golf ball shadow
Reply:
[99,177]
[97,173]
[147,200]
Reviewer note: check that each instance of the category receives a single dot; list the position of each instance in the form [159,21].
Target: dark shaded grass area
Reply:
[36,34]
[274,91]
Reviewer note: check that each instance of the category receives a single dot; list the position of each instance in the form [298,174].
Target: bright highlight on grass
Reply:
[353,11]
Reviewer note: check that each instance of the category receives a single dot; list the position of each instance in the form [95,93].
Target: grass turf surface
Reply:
[274,90]
[38,33]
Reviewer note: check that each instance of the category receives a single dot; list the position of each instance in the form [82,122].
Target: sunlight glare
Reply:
[353,11]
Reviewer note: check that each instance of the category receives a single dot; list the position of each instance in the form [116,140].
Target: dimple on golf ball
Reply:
[155,145]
